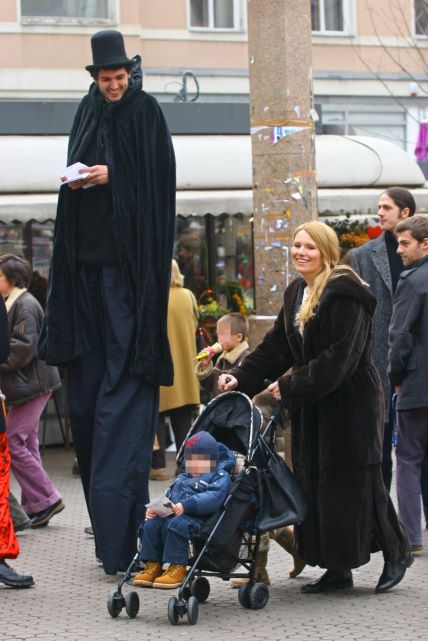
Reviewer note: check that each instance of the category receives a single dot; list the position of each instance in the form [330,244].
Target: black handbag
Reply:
[280,500]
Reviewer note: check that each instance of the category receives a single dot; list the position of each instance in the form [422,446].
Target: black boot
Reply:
[393,572]
[330,581]
[9,577]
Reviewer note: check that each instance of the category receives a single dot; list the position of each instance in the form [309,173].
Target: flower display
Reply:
[353,233]
[209,306]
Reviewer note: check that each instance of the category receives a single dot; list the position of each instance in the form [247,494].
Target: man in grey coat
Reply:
[408,370]
[378,263]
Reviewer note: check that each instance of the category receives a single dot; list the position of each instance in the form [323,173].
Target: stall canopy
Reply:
[213,174]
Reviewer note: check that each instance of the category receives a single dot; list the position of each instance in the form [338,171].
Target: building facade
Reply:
[370,74]
[370,59]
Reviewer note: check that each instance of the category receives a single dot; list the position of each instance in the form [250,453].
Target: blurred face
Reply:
[410,249]
[307,259]
[113,83]
[389,213]
[198,464]
[227,340]
[5,286]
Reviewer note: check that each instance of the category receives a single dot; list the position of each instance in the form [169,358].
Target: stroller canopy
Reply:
[230,418]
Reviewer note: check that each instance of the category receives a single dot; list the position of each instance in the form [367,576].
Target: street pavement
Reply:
[68,601]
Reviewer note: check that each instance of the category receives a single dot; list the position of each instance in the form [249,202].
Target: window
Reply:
[421,17]
[94,10]
[215,15]
[386,123]
[216,252]
[329,15]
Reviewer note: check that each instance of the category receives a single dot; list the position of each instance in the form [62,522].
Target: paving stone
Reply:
[68,602]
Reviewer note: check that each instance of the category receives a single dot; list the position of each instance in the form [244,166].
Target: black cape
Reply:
[141,164]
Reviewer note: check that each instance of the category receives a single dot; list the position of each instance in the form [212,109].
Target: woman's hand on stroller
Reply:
[226,383]
[178,509]
[273,388]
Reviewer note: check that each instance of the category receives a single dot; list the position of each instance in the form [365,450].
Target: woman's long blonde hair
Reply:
[177,278]
[326,240]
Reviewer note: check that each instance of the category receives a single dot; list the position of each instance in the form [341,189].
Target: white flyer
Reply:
[71,173]
[161,505]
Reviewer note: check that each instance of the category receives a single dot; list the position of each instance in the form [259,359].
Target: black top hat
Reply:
[108,51]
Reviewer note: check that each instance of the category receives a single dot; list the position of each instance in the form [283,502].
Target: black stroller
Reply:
[228,543]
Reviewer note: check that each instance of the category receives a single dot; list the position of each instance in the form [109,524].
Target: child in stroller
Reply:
[196,493]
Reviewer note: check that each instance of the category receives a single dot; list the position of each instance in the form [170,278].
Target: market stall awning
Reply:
[41,207]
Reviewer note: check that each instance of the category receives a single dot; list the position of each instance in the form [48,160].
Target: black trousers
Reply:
[113,416]
[387,447]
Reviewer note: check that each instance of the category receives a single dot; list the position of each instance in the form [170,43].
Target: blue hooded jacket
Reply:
[200,495]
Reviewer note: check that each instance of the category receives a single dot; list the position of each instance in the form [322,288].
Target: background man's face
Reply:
[410,249]
[389,213]
[113,83]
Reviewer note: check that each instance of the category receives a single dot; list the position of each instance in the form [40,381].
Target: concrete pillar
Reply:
[283,144]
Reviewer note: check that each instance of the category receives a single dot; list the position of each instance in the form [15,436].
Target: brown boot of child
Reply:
[145,579]
[285,538]
[261,572]
[172,578]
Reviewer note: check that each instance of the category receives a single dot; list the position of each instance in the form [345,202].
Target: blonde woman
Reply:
[334,396]
[179,400]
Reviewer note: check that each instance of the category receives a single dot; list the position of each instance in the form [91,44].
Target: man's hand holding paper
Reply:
[80,176]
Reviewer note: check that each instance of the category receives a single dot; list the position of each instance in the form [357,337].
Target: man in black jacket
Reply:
[408,372]
[108,292]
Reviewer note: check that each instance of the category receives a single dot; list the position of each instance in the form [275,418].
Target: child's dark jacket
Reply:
[208,377]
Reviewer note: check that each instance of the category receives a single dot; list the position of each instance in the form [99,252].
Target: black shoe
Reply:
[9,577]
[393,572]
[22,526]
[330,581]
[42,518]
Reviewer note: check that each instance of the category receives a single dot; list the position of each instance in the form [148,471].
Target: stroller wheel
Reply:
[115,603]
[132,604]
[259,596]
[173,610]
[244,595]
[192,610]
[201,589]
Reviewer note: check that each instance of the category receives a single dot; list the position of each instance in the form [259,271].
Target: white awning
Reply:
[33,164]
[214,175]
[42,207]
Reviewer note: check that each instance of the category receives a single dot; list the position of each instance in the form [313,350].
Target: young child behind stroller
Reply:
[232,332]
[195,494]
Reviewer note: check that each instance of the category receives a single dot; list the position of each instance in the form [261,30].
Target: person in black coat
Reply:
[379,265]
[334,396]
[106,317]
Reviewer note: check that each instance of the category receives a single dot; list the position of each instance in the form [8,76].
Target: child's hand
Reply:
[178,509]
[203,364]
[150,514]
